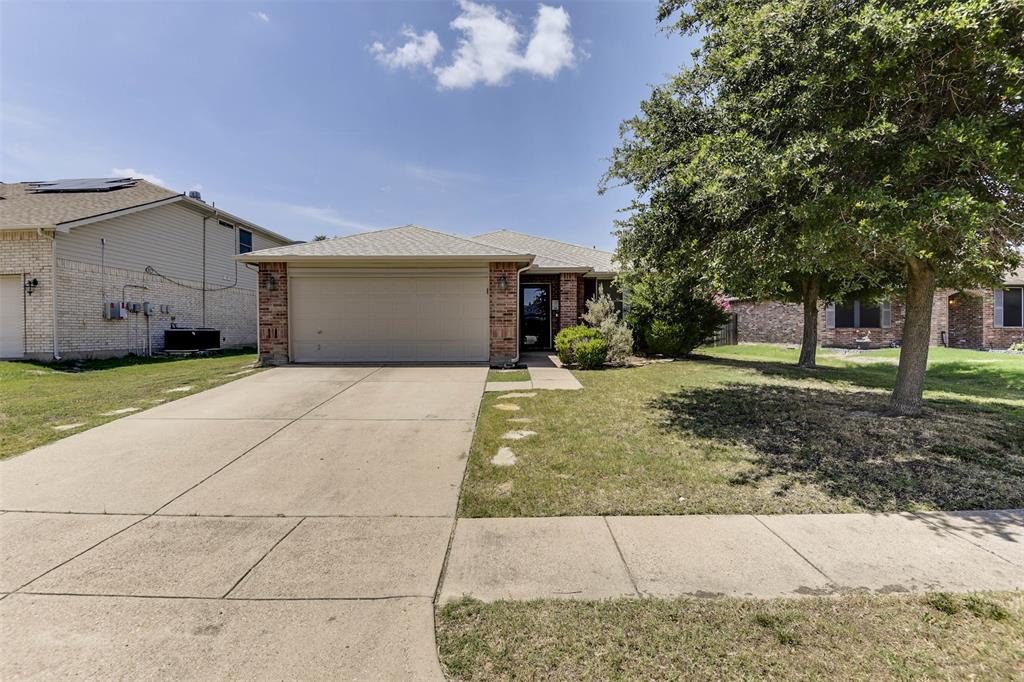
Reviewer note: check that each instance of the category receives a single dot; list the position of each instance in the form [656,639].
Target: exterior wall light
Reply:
[30,285]
[271,283]
[502,283]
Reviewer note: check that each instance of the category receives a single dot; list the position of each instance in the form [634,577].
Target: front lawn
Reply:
[935,636]
[42,403]
[741,430]
[508,375]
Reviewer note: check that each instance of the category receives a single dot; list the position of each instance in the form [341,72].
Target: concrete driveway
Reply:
[292,524]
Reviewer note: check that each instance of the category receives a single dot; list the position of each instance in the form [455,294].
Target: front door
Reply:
[535,304]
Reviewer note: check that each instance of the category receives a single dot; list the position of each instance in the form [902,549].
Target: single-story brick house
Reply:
[978,319]
[101,267]
[410,294]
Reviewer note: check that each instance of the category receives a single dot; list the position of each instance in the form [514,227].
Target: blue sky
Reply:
[334,118]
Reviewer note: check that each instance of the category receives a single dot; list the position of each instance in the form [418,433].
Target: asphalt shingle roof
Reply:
[406,241]
[551,253]
[21,207]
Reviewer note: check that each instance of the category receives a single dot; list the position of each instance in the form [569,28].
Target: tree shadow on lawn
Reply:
[956,456]
[972,379]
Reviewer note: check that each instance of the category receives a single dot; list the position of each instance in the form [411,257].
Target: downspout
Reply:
[520,271]
[53,294]
[203,323]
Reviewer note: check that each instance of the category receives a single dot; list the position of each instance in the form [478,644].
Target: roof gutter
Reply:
[326,259]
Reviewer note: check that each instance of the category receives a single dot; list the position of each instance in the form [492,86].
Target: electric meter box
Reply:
[115,310]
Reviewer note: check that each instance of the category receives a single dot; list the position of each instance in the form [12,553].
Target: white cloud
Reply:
[132,173]
[262,16]
[438,176]
[489,50]
[327,216]
[419,50]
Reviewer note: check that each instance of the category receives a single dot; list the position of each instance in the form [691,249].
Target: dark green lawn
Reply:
[35,398]
[937,636]
[741,430]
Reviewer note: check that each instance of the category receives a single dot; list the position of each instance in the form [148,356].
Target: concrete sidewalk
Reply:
[761,556]
[546,373]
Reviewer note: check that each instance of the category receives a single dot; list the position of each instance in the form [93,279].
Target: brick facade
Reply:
[29,253]
[504,303]
[992,336]
[570,295]
[84,332]
[82,289]
[272,291]
[966,318]
[963,320]
[768,321]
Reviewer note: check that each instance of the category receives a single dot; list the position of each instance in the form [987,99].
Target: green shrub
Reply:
[591,353]
[672,313]
[567,339]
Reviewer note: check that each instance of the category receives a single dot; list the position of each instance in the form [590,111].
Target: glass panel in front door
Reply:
[536,307]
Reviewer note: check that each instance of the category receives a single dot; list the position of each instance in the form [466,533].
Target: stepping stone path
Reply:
[179,389]
[519,395]
[504,458]
[508,407]
[123,410]
[68,427]
[518,435]
[522,420]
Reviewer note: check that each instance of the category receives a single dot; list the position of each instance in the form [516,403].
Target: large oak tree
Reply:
[834,146]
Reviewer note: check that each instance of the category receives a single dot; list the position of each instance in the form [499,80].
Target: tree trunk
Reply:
[809,343]
[907,396]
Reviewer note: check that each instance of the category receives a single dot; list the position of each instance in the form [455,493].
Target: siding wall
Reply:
[167,238]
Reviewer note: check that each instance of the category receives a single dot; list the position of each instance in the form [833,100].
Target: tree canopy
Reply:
[864,145]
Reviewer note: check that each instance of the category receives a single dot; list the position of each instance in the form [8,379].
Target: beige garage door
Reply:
[12,316]
[389,315]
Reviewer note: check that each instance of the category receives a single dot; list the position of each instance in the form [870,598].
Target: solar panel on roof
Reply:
[81,185]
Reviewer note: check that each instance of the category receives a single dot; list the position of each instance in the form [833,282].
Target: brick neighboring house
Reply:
[71,248]
[976,319]
[410,294]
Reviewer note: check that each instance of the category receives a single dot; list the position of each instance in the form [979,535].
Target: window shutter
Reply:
[830,316]
[997,299]
[886,314]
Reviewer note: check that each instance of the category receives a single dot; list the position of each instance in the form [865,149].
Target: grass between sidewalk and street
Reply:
[42,403]
[508,375]
[740,429]
[934,636]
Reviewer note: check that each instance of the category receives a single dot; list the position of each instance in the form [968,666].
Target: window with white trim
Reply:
[244,241]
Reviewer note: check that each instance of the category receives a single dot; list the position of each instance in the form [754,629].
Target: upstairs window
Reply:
[244,241]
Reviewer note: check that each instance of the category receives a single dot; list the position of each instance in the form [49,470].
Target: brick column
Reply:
[504,334]
[569,286]
[273,313]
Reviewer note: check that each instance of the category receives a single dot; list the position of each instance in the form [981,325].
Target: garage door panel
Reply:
[389,318]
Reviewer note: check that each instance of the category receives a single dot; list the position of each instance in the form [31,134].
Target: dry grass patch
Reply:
[935,636]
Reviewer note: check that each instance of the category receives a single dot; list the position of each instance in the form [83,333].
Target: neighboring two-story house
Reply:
[101,267]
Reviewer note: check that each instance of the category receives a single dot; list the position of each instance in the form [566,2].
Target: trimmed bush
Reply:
[672,314]
[567,339]
[591,353]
